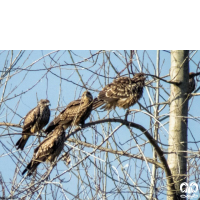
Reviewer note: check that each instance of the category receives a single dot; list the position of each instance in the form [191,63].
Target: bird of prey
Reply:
[75,113]
[123,92]
[34,121]
[48,150]
[191,86]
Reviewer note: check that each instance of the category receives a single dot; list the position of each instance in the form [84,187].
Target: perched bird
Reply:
[123,92]
[75,113]
[191,86]
[34,121]
[48,150]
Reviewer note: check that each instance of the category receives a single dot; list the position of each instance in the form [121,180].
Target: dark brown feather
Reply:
[123,92]
[34,121]
[97,103]
[75,113]
[48,150]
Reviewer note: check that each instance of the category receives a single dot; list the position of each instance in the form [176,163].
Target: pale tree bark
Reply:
[154,167]
[178,119]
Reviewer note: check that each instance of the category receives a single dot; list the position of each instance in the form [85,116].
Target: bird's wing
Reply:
[119,88]
[46,116]
[31,118]
[64,117]
[45,148]
[71,110]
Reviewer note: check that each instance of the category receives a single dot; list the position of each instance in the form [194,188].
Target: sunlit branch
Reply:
[146,133]
[123,153]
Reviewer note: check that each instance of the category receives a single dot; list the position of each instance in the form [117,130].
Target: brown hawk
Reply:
[48,150]
[34,121]
[75,113]
[191,86]
[123,92]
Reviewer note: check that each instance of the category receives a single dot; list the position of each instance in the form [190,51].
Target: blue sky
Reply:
[30,81]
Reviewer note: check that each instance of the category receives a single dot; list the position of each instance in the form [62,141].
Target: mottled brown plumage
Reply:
[123,92]
[48,150]
[34,121]
[191,86]
[75,113]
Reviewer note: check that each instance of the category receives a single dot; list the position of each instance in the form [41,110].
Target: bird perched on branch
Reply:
[34,121]
[48,150]
[191,86]
[123,92]
[75,113]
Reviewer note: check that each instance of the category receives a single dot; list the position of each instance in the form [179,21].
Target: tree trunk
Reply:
[177,160]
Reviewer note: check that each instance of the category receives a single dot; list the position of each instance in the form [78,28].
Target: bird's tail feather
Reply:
[31,167]
[97,103]
[50,127]
[21,143]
